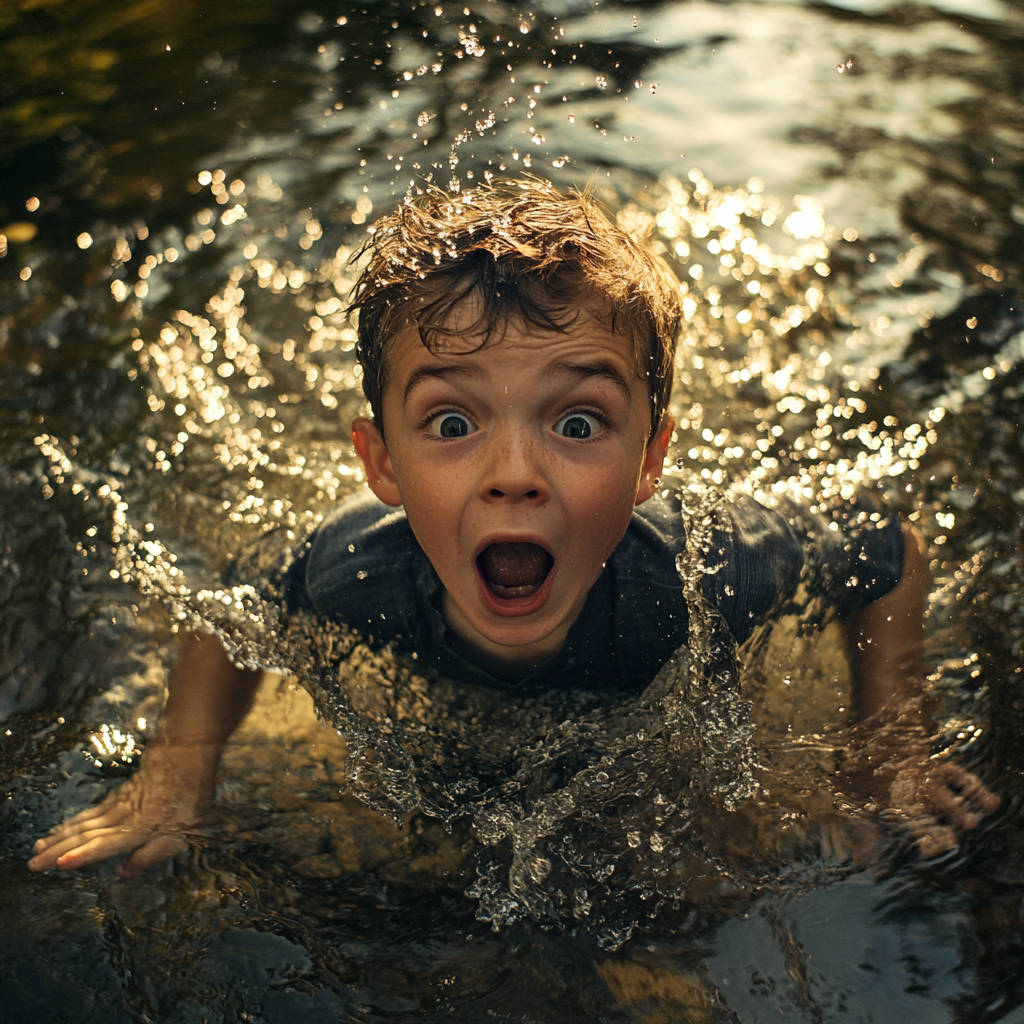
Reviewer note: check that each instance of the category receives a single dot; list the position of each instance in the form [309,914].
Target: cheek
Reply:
[600,505]
[417,482]
[609,486]
[439,542]
[433,508]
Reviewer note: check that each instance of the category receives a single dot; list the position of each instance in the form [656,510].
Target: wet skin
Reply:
[154,813]
[890,752]
[549,444]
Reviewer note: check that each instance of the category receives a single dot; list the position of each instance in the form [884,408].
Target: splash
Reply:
[587,809]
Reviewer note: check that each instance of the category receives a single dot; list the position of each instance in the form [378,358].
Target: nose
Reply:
[513,472]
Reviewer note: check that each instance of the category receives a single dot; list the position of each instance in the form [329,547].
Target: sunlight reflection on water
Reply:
[179,381]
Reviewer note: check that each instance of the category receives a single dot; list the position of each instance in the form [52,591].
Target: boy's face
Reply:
[518,464]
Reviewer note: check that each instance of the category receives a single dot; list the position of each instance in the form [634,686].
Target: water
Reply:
[176,389]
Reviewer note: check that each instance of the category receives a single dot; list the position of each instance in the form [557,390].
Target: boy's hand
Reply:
[890,760]
[890,750]
[149,817]
[934,800]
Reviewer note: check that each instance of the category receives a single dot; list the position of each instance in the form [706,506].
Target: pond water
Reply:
[841,186]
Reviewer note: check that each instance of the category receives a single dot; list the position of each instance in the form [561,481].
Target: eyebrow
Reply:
[601,371]
[437,373]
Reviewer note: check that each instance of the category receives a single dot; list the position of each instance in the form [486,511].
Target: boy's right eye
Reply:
[451,424]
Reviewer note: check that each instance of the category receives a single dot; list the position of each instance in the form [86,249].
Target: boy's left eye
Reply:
[451,424]
[578,425]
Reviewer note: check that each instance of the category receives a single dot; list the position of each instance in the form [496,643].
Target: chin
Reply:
[518,638]
[517,631]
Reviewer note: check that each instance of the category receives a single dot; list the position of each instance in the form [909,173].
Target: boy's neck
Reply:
[500,660]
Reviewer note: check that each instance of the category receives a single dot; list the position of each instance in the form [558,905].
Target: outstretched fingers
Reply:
[117,826]
[936,800]
[960,796]
[102,817]
[86,847]
[145,846]
[148,818]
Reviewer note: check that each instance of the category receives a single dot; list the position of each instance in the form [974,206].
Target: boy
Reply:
[517,355]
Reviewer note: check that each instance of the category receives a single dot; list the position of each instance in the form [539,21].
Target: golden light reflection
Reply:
[110,742]
[21,231]
[744,299]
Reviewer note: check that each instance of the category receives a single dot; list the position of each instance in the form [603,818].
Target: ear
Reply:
[376,461]
[654,459]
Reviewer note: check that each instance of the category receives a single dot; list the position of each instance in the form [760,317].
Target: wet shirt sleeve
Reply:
[848,559]
[363,567]
[853,555]
[755,561]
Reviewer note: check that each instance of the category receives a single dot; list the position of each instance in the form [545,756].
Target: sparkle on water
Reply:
[635,846]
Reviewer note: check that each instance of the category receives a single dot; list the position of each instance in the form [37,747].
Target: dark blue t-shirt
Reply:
[363,566]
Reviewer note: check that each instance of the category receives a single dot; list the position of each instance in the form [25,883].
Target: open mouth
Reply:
[514,569]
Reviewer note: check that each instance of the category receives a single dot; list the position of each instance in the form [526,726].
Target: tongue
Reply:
[514,570]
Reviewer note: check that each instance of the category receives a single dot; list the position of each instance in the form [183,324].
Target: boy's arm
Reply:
[207,697]
[892,730]
[885,640]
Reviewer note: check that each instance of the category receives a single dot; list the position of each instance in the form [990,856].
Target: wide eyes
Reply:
[578,426]
[451,424]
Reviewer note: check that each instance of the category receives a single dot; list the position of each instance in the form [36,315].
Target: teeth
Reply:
[509,592]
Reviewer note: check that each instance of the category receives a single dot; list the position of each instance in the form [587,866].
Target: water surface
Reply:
[182,187]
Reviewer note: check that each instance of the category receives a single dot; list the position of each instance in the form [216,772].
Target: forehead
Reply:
[514,344]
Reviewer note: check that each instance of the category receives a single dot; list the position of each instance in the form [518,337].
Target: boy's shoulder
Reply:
[360,527]
[363,556]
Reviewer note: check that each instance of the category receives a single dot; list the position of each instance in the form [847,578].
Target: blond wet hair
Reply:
[522,251]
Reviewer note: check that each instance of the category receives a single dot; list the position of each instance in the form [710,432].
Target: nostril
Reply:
[531,495]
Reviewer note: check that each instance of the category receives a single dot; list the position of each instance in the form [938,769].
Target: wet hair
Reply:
[520,250]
